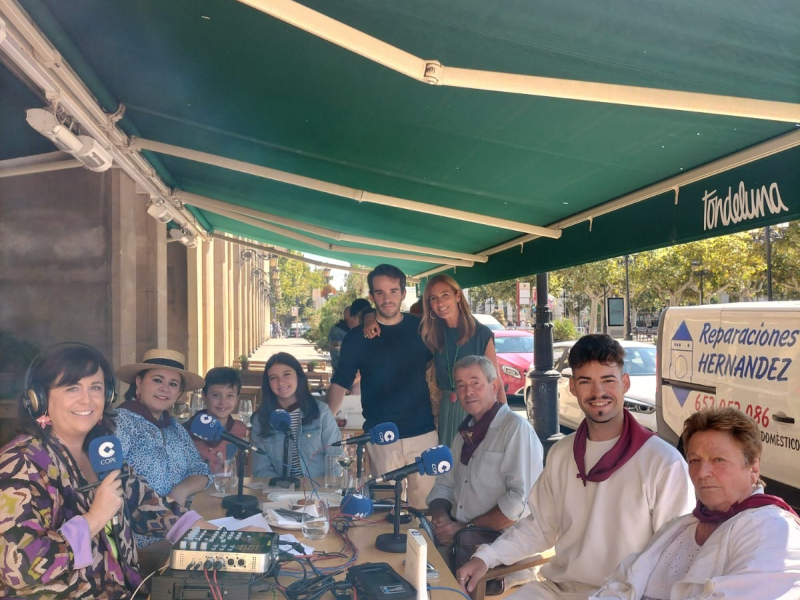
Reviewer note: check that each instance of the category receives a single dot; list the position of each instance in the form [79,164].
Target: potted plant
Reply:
[244,360]
[312,366]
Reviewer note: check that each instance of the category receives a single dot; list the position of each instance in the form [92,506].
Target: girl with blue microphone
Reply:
[311,425]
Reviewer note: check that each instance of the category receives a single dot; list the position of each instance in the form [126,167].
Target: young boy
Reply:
[221,395]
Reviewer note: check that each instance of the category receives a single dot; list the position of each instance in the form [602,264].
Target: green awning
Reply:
[219,77]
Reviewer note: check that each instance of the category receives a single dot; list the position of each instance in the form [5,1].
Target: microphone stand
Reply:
[241,506]
[286,481]
[394,542]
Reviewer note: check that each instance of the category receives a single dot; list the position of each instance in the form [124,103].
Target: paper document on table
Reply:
[286,539]
[255,485]
[232,524]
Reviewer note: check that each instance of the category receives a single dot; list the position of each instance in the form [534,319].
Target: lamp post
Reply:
[696,264]
[628,329]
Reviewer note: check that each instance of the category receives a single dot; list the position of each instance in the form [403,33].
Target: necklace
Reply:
[449,364]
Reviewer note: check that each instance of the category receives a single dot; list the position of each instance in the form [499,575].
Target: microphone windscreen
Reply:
[356,505]
[437,460]
[384,433]
[280,420]
[105,455]
[206,428]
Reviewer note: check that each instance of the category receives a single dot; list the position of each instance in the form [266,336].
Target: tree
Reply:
[786,262]
[330,313]
[591,281]
[297,282]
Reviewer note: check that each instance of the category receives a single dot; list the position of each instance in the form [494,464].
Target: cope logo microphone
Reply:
[105,455]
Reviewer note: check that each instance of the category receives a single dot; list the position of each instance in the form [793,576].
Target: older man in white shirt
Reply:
[497,458]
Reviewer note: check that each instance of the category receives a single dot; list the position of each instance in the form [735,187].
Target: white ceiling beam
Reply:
[434,73]
[38,163]
[285,254]
[336,248]
[214,205]
[339,190]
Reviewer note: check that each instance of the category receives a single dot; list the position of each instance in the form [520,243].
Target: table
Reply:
[363,537]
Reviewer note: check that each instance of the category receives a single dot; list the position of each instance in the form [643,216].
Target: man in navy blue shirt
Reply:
[393,385]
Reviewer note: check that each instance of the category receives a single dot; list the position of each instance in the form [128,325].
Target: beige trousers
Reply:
[404,451]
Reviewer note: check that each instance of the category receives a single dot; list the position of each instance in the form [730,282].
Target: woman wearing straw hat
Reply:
[156,445]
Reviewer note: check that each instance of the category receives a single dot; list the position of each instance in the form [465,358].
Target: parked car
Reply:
[489,321]
[514,356]
[640,400]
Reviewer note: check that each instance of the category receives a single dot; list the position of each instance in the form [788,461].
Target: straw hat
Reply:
[162,359]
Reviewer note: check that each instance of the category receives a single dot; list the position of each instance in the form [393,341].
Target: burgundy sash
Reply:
[140,409]
[706,515]
[474,435]
[633,437]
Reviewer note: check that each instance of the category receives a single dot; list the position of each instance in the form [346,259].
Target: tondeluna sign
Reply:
[741,205]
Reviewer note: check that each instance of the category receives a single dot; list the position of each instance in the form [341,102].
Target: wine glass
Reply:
[225,476]
[196,402]
[245,410]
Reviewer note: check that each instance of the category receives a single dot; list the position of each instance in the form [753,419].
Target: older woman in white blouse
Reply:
[737,543]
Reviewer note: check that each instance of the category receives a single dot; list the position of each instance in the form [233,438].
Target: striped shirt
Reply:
[294,455]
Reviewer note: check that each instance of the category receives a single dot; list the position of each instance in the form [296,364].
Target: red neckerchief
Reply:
[140,409]
[632,438]
[474,435]
[706,515]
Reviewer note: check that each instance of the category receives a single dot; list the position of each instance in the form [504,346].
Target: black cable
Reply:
[312,589]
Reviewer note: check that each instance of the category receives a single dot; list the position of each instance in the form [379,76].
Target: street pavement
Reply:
[300,348]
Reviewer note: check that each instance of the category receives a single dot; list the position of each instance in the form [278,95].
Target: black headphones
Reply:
[35,397]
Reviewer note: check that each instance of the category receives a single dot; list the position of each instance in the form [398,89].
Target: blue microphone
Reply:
[356,505]
[380,435]
[280,420]
[105,455]
[433,461]
[207,428]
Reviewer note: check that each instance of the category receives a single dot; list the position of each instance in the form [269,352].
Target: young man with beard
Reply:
[604,491]
[393,385]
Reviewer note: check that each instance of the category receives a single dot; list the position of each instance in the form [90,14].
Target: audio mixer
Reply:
[222,550]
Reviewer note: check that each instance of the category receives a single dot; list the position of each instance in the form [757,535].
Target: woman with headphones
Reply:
[56,539]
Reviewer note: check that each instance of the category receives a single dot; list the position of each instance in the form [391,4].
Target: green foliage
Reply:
[330,313]
[500,316]
[297,282]
[564,330]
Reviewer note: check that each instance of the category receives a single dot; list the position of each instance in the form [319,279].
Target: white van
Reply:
[743,355]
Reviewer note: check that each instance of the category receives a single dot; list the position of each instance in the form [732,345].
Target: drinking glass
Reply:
[341,417]
[196,401]
[316,521]
[225,476]
[245,410]
[333,472]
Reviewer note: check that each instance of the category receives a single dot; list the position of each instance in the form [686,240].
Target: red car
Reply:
[514,355]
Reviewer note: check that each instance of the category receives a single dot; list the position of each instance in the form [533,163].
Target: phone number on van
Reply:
[759,413]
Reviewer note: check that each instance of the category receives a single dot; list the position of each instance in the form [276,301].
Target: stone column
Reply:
[124,296]
[194,285]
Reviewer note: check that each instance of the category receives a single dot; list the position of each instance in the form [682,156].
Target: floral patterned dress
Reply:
[45,544]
